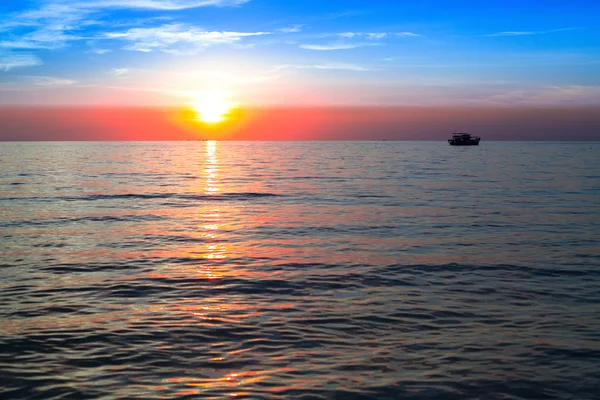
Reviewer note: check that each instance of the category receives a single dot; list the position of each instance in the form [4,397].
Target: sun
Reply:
[212,106]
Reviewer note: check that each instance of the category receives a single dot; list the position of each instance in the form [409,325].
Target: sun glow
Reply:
[212,106]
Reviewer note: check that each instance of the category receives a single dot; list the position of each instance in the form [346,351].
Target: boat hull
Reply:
[464,144]
[464,139]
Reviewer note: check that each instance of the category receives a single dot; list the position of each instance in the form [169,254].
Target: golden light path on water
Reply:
[214,251]
[212,214]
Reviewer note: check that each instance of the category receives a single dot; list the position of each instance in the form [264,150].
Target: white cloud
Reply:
[512,33]
[344,67]
[41,39]
[150,4]
[64,15]
[119,71]
[525,33]
[375,35]
[49,81]
[291,29]
[350,42]
[407,34]
[11,60]
[50,27]
[57,22]
[368,35]
[547,95]
[128,23]
[100,51]
[326,66]
[52,14]
[28,82]
[177,38]
[334,46]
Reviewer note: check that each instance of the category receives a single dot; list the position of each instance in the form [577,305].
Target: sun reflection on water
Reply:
[212,168]
[211,229]
[216,311]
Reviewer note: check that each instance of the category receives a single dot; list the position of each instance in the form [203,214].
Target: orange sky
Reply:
[316,123]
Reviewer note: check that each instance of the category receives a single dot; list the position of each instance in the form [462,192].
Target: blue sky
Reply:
[354,52]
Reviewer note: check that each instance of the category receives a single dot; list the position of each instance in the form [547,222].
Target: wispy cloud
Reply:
[344,67]
[50,27]
[376,35]
[58,22]
[119,71]
[547,95]
[177,38]
[97,50]
[150,4]
[52,14]
[525,33]
[291,29]
[325,66]
[11,60]
[512,33]
[31,82]
[372,36]
[407,34]
[335,46]
[128,23]
[348,40]
[49,81]
[72,14]
[42,39]
[343,14]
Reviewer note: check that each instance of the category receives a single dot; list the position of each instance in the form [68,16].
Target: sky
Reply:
[511,69]
[302,123]
[309,52]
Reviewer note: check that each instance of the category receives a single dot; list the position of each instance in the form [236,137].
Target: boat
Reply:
[464,139]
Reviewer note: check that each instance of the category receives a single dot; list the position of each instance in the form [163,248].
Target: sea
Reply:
[299,270]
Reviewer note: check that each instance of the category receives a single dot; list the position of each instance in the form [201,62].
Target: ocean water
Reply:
[299,270]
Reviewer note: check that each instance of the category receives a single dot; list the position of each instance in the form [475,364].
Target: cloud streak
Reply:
[291,29]
[32,82]
[344,67]
[347,40]
[119,71]
[325,66]
[48,81]
[11,60]
[58,22]
[376,35]
[166,5]
[50,27]
[177,38]
[527,33]
[335,46]
[548,95]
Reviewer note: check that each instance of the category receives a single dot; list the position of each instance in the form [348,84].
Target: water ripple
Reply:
[299,270]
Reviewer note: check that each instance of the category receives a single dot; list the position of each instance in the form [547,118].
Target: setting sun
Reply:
[212,106]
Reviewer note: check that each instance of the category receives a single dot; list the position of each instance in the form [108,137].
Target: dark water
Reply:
[301,270]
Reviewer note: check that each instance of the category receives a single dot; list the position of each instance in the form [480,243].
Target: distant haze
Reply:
[313,123]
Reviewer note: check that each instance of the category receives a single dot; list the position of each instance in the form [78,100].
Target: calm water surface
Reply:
[300,270]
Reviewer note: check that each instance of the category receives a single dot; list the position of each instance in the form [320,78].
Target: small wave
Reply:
[149,196]
[223,196]
[66,221]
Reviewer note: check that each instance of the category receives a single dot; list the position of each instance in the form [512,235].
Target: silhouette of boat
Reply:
[464,139]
